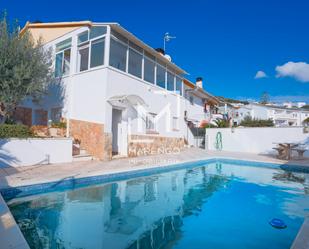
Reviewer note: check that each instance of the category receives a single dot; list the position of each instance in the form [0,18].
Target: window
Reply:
[149,70]
[97,31]
[150,122]
[160,76]
[118,55]
[63,57]
[170,81]
[175,124]
[83,37]
[97,53]
[135,63]
[58,67]
[56,114]
[66,61]
[83,54]
[119,36]
[191,100]
[179,85]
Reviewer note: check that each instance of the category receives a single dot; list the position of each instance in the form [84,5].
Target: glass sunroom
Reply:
[104,46]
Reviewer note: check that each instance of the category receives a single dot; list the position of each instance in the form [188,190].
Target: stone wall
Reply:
[91,136]
[142,145]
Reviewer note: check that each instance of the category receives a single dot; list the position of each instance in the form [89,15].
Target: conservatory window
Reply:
[83,54]
[135,63]
[149,70]
[160,76]
[170,81]
[97,53]
[63,57]
[179,85]
[118,55]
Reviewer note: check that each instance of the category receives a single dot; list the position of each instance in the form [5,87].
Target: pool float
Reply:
[277,223]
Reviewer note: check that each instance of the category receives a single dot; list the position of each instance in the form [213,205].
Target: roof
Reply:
[60,28]
[117,27]
[201,91]
[280,107]
[30,25]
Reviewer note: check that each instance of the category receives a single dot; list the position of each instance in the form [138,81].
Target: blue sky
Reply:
[225,41]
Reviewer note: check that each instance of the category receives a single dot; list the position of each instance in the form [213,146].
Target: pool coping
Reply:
[11,236]
[19,241]
[302,239]
[73,182]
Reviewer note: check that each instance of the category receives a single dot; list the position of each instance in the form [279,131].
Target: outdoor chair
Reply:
[300,152]
[281,152]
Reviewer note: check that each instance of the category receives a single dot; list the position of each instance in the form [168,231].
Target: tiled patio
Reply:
[15,177]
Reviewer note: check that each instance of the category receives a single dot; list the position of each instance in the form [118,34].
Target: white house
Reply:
[117,94]
[281,116]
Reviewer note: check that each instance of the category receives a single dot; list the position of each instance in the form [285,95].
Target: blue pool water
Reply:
[214,205]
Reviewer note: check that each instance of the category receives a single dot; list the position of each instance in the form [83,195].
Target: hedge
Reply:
[15,131]
[249,122]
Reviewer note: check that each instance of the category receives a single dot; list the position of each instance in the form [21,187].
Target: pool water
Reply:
[216,205]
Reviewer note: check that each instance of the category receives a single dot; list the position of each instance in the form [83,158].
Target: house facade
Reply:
[118,95]
[281,116]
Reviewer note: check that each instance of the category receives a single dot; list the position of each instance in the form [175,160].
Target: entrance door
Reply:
[116,128]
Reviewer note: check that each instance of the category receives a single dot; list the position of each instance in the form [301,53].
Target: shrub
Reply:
[60,125]
[15,131]
[249,122]
[306,121]
[222,123]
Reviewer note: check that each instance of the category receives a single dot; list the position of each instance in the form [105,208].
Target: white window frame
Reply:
[88,44]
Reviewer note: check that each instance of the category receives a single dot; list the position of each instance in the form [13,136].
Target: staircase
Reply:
[80,155]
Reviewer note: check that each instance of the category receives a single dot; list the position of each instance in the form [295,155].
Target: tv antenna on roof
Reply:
[167,38]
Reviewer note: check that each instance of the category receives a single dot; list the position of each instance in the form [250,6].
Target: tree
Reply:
[25,68]
[264,98]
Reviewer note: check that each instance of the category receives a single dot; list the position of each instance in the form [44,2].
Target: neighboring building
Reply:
[281,116]
[294,104]
[117,94]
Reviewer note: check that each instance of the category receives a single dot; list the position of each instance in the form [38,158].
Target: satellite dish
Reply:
[168,57]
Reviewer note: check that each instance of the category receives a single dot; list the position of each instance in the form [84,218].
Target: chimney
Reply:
[199,82]
[160,51]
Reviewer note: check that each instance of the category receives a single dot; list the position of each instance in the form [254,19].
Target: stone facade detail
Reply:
[108,139]
[23,115]
[143,145]
[91,137]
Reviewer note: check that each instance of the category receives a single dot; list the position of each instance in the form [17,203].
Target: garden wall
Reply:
[34,151]
[255,140]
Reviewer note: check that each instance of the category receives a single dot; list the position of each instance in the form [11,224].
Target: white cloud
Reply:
[297,70]
[260,75]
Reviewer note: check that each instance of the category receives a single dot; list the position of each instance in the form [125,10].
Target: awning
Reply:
[123,101]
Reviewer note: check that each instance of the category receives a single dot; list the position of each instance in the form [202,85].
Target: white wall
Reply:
[255,140]
[32,151]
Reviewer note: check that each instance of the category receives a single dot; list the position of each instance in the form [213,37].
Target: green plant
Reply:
[222,123]
[249,122]
[15,131]
[25,68]
[209,126]
[60,125]
[306,121]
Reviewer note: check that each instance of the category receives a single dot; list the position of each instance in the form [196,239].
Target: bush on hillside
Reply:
[249,122]
[15,131]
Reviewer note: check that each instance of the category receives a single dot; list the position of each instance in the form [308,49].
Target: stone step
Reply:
[84,157]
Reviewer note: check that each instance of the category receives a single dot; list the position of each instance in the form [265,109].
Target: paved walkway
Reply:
[28,175]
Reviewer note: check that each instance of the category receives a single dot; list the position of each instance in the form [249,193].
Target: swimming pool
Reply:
[211,204]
